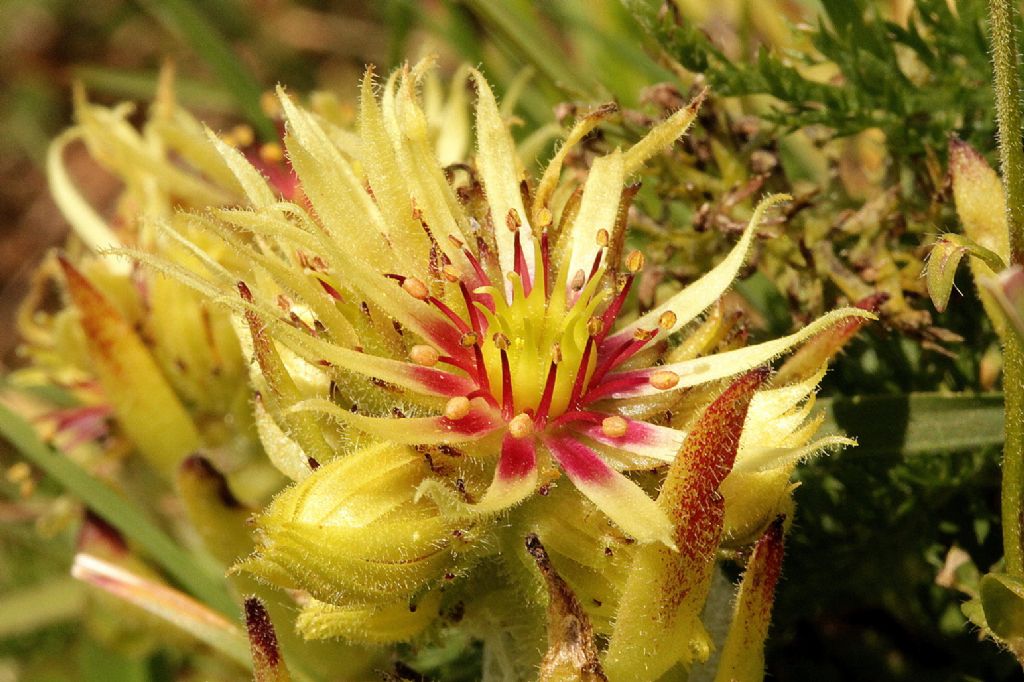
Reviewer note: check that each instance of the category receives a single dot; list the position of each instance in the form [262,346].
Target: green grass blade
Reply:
[916,424]
[31,608]
[187,21]
[118,512]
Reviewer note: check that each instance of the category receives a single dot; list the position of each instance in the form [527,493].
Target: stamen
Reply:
[581,373]
[602,237]
[664,379]
[667,320]
[626,350]
[578,280]
[545,259]
[521,426]
[612,311]
[468,340]
[474,314]
[507,399]
[415,288]
[450,273]
[457,408]
[512,220]
[545,399]
[635,262]
[501,341]
[271,153]
[544,217]
[459,323]
[424,355]
[614,426]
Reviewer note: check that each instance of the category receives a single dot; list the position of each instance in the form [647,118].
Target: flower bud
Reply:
[353,535]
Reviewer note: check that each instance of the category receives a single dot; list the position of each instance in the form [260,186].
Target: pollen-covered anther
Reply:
[643,334]
[416,288]
[457,408]
[544,217]
[512,220]
[603,237]
[614,426]
[501,342]
[595,326]
[664,379]
[240,136]
[667,320]
[450,273]
[271,152]
[521,426]
[635,261]
[424,355]
[578,280]
[469,339]
[556,353]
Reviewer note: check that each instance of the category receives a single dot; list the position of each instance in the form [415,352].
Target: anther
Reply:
[501,342]
[602,237]
[544,217]
[521,426]
[457,408]
[635,262]
[242,135]
[416,288]
[512,220]
[595,326]
[424,355]
[271,153]
[667,320]
[450,273]
[468,340]
[664,379]
[614,427]
[455,241]
[643,334]
[578,280]
[556,353]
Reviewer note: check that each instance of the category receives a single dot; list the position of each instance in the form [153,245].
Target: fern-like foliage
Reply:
[916,83]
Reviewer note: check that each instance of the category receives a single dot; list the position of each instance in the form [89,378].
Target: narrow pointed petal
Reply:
[284,453]
[698,297]
[658,624]
[83,218]
[268,664]
[302,427]
[497,161]
[622,500]
[480,422]
[515,477]
[816,353]
[662,135]
[640,439]
[146,407]
[742,657]
[549,181]
[714,367]
[598,210]
[253,184]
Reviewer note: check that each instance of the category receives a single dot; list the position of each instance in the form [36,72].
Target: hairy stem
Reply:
[1007,90]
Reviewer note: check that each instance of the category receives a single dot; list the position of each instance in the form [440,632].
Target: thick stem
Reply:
[1005,58]
[1013,456]
[1007,90]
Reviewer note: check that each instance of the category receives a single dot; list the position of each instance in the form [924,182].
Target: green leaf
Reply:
[918,423]
[118,512]
[187,21]
[1002,598]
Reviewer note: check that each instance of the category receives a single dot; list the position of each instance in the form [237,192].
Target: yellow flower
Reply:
[467,308]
